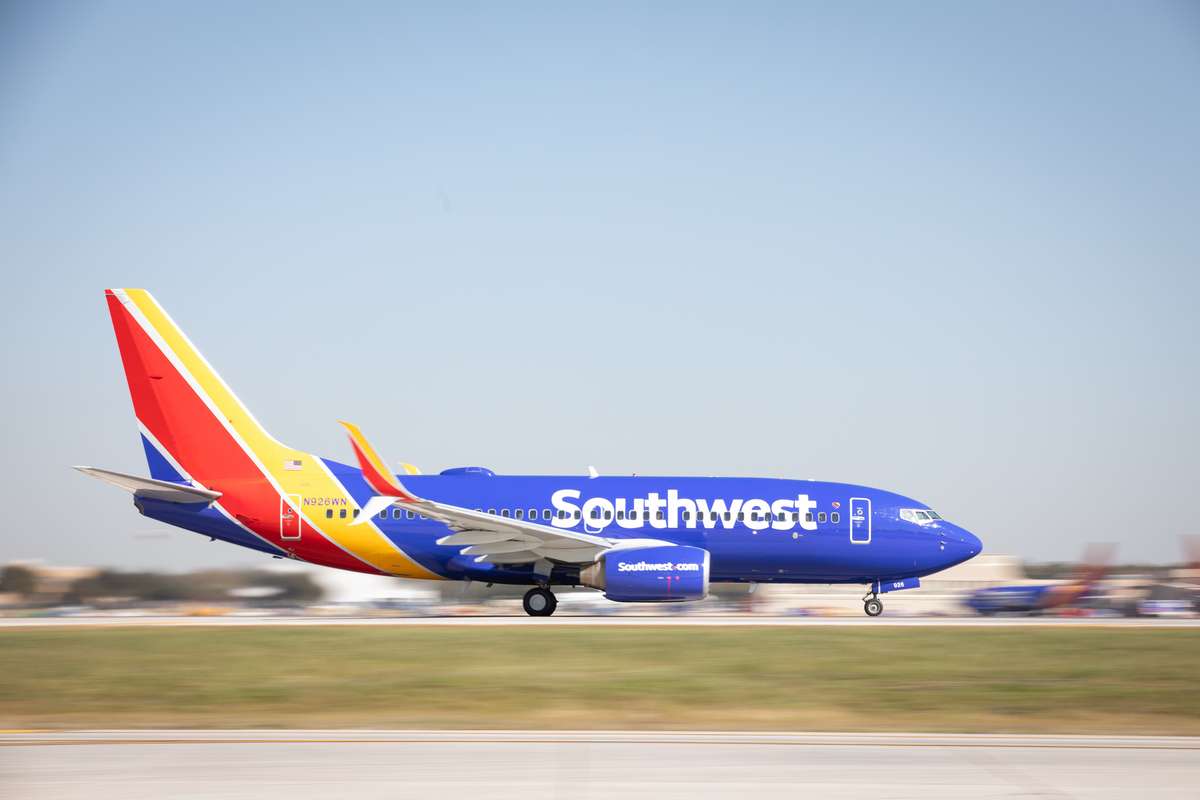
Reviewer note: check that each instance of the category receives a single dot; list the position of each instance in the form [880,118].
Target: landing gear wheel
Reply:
[539,602]
[873,607]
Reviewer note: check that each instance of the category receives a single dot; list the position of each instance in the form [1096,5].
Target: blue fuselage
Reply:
[756,529]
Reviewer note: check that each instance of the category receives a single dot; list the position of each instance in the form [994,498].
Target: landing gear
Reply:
[539,602]
[872,605]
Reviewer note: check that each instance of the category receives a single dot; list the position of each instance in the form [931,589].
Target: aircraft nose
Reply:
[960,544]
[969,540]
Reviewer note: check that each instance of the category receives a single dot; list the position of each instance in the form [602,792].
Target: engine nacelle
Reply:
[665,574]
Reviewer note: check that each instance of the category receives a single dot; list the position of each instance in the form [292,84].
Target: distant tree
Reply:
[148,587]
[204,586]
[19,580]
[295,587]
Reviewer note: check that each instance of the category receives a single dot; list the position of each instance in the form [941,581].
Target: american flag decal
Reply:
[293,464]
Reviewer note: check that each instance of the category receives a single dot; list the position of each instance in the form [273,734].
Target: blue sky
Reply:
[946,249]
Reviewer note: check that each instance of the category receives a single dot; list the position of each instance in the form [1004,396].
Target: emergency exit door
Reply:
[290,524]
[860,520]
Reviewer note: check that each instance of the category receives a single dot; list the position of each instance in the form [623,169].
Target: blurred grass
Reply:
[927,679]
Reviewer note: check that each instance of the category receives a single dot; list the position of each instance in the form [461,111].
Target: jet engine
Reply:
[663,574]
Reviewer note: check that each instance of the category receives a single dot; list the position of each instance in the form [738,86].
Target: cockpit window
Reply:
[921,516]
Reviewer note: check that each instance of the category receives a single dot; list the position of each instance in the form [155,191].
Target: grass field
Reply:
[953,679]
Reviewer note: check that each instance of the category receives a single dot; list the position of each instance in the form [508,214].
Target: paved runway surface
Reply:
[665,619]
[300,765]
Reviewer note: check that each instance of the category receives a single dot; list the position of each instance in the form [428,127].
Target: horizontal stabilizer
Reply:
[152,488]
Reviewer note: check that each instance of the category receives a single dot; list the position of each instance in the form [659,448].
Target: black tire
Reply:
[539,602]
[873,607]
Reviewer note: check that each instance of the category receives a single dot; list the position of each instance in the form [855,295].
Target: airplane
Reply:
[1040,597]
[216,471]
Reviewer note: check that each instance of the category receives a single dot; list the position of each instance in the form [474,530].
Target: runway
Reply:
[581,619]
[137,765]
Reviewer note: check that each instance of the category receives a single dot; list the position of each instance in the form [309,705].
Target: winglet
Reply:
[374,470]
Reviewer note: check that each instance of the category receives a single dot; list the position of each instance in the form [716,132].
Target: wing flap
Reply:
[478,537]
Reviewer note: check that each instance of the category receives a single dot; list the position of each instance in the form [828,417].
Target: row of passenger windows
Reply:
[547,514]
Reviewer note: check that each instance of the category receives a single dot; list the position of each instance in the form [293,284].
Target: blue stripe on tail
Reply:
[160,468]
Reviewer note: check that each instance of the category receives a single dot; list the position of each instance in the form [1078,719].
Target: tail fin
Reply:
[179,399]
[1095,565]
[195,429]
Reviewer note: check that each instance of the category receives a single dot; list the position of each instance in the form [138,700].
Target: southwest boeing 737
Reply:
[214,470]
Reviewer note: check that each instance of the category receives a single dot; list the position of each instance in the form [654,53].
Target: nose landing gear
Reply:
[539,602]
[872,605]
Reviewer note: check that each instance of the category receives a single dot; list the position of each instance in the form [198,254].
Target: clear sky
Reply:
[951,250]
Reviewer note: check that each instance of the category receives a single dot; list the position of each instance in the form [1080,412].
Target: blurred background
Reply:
[946,249]
[988,585]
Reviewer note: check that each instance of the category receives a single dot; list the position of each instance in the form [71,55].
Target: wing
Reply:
[490,538]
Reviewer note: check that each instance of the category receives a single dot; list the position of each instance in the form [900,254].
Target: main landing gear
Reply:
[539,602]
[872,605]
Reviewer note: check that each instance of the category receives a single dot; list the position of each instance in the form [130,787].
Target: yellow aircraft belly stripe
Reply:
[310,480]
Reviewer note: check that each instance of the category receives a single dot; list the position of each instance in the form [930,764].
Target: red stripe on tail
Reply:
[172,410]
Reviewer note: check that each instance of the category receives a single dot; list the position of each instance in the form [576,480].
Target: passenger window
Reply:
[532,514]
[383,514]
[741,516]
[329,513]
[687,516]
[727,516]
[545,513]
[577,513]
[662,514]
[341,513]
[608,515]
[396,513]
[505,513]
[821,516]
[356,513]
[519,513]
[834,516]
[808,516]
[492,511]
[409,514]
[620,513]
[562,514]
